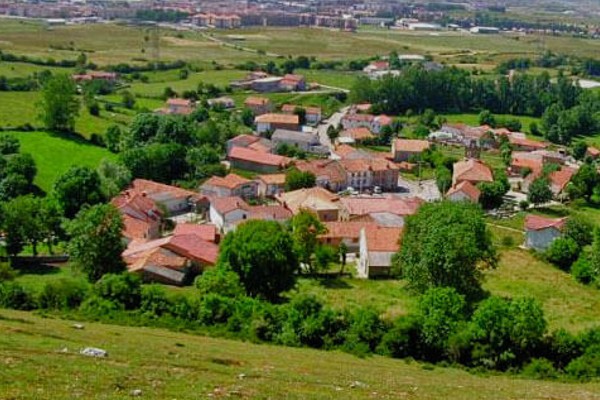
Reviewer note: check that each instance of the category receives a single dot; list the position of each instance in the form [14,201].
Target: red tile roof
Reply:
[243,140]
[224,205]
[330,169]
[536,222]
[272,179]
[193,248]
[257,101]
[153,189]
[361,133]
[593,152]
[345,229]
[411,145]
[275,212]
[561,178]
[472,170]
[206,232]
[272,118]
[398,206]
[527,143]
[231,181]
[467,188]
[257,157]
[382,239]
[179,102]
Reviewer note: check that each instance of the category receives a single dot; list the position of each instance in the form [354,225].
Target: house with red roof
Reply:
[523,144]
[347,232]
[558,180]
[377,246]
[377,66]
[172,199]
[229,185]
[270,185]
[258,161]
[317,200]
[472,170]
[259,105]
[142,219]
[464,191]
[253,142]
[353,207]
[271,121]
[226,213]
[405,149]
[355,135]
[313,115]
[540,231]
[329,174]
[293,82]
[173,260]
[176,106]
[592,152]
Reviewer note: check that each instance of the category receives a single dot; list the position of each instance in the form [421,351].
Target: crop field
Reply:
[54,154]
[41,360]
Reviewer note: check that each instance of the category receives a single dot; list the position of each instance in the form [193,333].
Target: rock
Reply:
[136,392]
[78,326]
[241,376]
[64,350]
[357,384]
[94,352]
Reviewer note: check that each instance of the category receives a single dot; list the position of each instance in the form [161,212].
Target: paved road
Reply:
[334,120]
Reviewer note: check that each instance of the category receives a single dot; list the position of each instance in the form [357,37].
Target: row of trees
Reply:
[565,109]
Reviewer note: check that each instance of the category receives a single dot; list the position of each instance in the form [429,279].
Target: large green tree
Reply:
[59,106]
[446,244]
[306,227]
[295,179]
[96,243]
[539,191]
[77,187]
[262,254]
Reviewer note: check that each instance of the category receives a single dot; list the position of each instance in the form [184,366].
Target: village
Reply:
[362,196]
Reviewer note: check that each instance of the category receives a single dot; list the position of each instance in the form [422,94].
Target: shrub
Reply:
[215,309]
[583,271]
[563,347]
[540,368]
[364,332]
[97,307]
[153,301]
[563,252]
[402,339]
[13,295]
[219,280]
[62,295]
[122,289]
[587,366]
[6,272]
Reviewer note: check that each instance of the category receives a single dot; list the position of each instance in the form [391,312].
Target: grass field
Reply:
[54,154]
[20,108]
[473,119]
[41,360]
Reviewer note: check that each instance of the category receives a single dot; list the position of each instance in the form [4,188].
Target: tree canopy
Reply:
[444,244]
[59,107]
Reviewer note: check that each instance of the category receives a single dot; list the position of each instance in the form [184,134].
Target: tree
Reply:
[262,254]
[487,118]
[579,150]
[295,179]
[96,243]
[77,187]
[580,230]
[112,138]
[441,311]
[114,177]
[443,178]
[539,191]
[584,182]
[247,117]
[445,244]
[594,255]
[306,227]
[563,252]
[22,165]
[332,133]
[128,99]
[343,253]
[301,113]
[59,107]
[506,332]
[9,144]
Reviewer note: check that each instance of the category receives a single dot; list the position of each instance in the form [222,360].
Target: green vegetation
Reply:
[54,154]
[197,366]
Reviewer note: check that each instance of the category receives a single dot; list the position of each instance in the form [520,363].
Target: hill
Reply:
[40,360]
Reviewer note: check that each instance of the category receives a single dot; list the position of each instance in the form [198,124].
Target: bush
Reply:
[540,368]
[587,366]
[364,333]
[582,270]
[97,307]
[6,272]
[219,280]
[154,302]
[563,347]
[402,339]
[563,252]
[215,309]
[13,295]
[122,289]
[63,294]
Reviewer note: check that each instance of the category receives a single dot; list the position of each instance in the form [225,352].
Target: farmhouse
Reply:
[541,231]
[292,82]
[230,185]
[464,191]
[259,105]
[251,142]
[253,160]
[471,170]
[266,85]
[179,106]
[354,207]
[343,232]
[405,149]
[270,122]
[377,247]
[317,200]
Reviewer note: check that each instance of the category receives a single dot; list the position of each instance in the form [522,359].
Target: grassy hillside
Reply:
[54,154]
[40,360]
